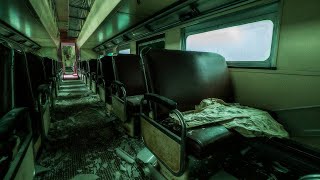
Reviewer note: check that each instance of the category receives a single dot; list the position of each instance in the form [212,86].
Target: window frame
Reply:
[251,15]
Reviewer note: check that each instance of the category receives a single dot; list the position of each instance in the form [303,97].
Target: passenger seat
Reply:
[93,75]
[104,81]
[32,91]
[177,81]
[127,91]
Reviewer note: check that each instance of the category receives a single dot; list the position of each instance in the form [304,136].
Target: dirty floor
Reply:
[82,140]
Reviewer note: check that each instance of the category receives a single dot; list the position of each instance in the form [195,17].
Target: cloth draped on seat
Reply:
[247,121]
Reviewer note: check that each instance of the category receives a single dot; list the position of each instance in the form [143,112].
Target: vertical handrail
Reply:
[13,100]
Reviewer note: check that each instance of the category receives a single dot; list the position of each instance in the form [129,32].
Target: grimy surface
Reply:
[82,140]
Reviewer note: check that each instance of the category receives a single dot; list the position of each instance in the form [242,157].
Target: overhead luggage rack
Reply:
[9,34]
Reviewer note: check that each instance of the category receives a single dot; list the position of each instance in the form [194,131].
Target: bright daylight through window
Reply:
[124,51]
[247,42]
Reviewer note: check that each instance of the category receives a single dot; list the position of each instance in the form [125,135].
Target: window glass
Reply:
[124,51]
[247,42]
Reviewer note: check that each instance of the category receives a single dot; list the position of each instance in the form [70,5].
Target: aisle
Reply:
[82,140]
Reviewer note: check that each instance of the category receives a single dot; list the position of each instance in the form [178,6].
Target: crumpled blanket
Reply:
[247,121]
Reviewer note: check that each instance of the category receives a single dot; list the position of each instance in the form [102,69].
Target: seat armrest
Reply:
[44,88]
[168,103]
[9,122]
[52,79]
[59,71]
[44,93]
[152,121]
[100,80]
[117,85]
[93,75]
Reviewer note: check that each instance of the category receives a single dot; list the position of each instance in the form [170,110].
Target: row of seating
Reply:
[105,77]
[161,82]
[28,88]
[88,73]
[146,92]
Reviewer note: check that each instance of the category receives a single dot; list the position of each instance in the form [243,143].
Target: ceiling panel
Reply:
[78,12]
[129,14]
[145,7]
[62,7]
[118,23]
[19,15]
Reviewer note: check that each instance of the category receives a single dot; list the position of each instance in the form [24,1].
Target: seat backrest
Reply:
[59,66]
[36,71]
[49,68]
[54,67]
[29,74]
[93,66]
[23,93]
[128,71]
[84,66]
[187,77]
[5,80]
[80,65]
[107,70]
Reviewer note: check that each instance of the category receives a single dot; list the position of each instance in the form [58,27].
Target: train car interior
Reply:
[159,89]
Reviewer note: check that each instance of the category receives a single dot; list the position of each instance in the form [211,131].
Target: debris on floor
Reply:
[146,156]
[85,177]
[121,153]
[82,142]
[40,169]
[117,175]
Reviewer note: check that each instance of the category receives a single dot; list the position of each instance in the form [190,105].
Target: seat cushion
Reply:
[203,141]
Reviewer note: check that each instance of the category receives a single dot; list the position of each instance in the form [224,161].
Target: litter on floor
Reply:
[85,143]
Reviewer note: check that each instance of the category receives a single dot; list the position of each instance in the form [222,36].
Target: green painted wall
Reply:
[133,47]
[50,52]
[87,54]
[173,39]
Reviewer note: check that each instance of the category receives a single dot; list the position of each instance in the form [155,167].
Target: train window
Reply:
[248,42]
[246,39]
[124,51]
